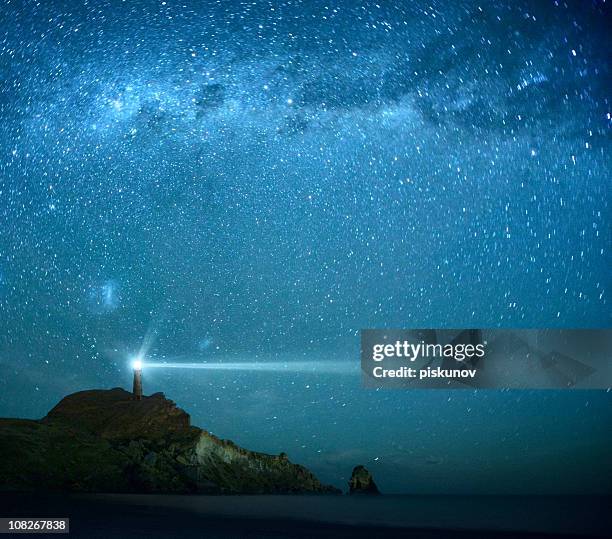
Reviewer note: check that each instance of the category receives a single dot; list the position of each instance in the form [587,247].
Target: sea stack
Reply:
[361,482]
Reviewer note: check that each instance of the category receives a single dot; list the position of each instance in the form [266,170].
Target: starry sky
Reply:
[257,181]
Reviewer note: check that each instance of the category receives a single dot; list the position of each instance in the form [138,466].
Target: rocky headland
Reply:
[105,441]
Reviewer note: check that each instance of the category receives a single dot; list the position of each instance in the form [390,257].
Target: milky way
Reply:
[257,181]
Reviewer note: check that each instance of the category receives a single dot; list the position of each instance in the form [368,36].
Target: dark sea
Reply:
[169,516]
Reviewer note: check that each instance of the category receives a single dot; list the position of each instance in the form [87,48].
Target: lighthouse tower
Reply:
[137,390]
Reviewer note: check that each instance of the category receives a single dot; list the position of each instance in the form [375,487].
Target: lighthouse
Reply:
[137,390]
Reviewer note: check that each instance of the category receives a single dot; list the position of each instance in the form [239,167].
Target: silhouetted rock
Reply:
[112,413]
[361,482]
[105,441]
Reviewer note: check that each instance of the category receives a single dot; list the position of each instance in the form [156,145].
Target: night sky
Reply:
[257,181]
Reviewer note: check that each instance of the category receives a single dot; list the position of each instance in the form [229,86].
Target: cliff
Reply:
[104,441]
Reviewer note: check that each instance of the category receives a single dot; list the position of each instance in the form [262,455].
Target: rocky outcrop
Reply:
[105,441]
[361,482]
[114,414]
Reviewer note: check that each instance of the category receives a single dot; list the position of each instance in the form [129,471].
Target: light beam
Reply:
[330,367]
[137,364]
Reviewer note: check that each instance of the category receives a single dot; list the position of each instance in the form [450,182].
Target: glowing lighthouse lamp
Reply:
[137,388]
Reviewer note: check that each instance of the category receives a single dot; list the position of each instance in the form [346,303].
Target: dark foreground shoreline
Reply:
[126,516]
